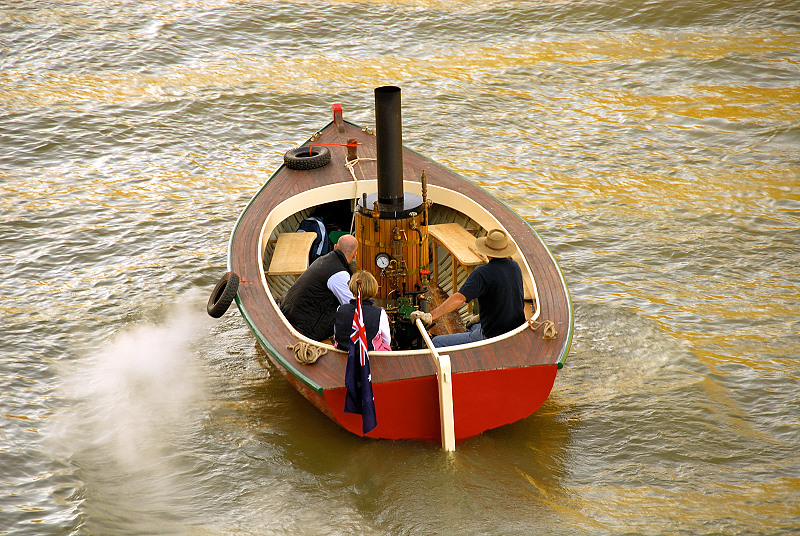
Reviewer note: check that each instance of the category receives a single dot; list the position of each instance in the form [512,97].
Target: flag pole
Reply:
[445,378]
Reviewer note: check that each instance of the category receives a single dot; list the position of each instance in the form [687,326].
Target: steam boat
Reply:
[416,224]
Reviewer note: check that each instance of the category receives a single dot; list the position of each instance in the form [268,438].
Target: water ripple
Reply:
[652,145]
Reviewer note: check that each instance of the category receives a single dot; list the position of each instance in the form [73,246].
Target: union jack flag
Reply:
[358,378]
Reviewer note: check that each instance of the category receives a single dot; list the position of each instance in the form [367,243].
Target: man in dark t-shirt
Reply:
[496,285]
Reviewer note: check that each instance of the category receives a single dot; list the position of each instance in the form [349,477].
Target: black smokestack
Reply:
[389,145]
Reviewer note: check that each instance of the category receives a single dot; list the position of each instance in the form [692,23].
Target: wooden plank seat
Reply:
[291,254]
[461,245]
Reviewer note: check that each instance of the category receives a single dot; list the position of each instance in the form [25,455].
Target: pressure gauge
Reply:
[382,260]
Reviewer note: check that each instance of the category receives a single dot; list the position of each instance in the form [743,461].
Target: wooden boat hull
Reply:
[494,383]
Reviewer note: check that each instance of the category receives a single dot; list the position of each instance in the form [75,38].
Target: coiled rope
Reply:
[307,353]
[549,332]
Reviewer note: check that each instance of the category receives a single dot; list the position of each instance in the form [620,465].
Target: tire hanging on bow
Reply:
[222,295]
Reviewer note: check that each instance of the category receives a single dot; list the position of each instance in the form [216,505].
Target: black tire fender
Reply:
[307,157]
[223,294]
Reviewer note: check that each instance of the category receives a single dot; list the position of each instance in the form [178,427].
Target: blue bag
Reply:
[322,243]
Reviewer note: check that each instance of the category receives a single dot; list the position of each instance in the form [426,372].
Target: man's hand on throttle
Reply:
[426,318]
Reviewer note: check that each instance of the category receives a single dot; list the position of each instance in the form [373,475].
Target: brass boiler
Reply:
[393,245]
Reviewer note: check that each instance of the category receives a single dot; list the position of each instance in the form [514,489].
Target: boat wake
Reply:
[134,394]
[130,413]
[617,351]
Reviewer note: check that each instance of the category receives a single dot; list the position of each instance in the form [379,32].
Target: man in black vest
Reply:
[310,304]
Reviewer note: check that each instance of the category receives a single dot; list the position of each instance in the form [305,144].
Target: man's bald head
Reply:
[348,245]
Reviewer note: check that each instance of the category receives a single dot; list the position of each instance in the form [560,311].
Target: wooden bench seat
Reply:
[461,245]
[291,254]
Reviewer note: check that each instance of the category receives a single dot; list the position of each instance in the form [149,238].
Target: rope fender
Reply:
[307,353]
[549,332]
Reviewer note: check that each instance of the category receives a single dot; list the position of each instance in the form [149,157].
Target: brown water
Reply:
[653,145]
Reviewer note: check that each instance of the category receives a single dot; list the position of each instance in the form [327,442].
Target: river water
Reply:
[653,145]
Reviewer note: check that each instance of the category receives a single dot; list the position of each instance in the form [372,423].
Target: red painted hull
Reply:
[408,409]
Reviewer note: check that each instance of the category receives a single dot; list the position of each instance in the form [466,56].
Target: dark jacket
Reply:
[310,305]
[344,323]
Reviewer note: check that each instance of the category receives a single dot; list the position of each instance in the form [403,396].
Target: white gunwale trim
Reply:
[346,190]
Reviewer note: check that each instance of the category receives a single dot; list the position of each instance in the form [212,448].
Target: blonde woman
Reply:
[375,320]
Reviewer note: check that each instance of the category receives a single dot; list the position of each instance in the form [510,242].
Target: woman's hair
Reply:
[369,286]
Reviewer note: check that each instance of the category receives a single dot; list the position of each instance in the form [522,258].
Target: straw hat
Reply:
[495,244]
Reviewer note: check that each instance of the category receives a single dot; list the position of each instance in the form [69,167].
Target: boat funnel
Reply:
[391,226]
[389,148]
